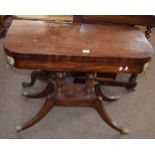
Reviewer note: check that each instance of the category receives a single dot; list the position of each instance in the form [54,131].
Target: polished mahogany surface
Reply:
[145,20]
[74,43]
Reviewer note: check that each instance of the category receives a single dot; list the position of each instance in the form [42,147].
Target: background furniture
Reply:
[5,22]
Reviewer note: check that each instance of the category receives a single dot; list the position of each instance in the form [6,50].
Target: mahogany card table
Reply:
[58,49]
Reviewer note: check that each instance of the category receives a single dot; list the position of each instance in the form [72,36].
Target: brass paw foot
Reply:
[18,128]
[125,131]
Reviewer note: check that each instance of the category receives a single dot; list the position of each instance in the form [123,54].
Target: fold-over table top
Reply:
[43,38]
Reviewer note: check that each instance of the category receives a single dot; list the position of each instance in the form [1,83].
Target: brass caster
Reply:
[117,98]
[124,131]
[18,128]
[25,94]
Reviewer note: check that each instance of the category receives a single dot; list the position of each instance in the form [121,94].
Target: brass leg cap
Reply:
[116,98]
[25,94]
[18,128]
[125,131]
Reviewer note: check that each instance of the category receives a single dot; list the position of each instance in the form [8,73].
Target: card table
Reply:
[61,48]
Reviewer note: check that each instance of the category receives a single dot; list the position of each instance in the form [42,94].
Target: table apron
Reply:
[79,67]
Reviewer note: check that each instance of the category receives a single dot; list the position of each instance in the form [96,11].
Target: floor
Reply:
[135,110]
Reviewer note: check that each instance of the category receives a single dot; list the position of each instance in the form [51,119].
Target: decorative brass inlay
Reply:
[146,67]
[10,61]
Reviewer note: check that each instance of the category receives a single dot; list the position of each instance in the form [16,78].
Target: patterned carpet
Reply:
[135,110]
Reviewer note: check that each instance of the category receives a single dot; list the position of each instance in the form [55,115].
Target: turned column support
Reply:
[59,81]
[89,85]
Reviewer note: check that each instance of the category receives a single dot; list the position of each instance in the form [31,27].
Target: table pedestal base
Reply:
[58,93]
[44,76]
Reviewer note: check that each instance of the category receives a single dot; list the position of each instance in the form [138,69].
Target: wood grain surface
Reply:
[65,43]
[145,20]
[59,18]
